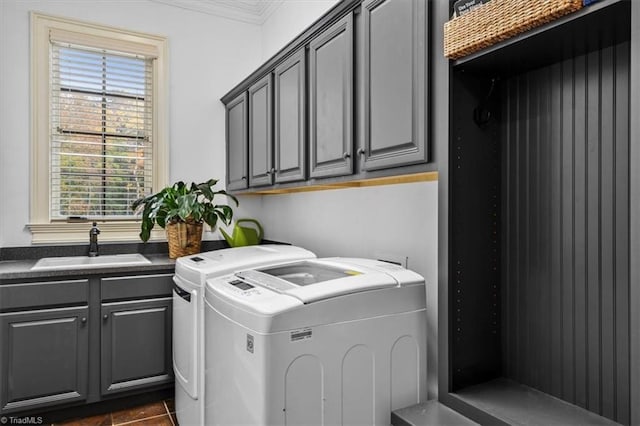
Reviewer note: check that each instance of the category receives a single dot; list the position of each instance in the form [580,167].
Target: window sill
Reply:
[64,232]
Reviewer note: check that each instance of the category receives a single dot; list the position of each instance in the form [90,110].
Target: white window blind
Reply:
[101,131]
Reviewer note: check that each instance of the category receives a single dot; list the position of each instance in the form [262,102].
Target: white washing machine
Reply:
[190,276]
[315,342]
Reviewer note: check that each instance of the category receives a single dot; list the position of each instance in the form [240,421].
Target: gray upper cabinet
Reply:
[331,100]
[289,119]
[260,136]
[394,83]
[237,143]
[136,345]
[350,99]
[44,358]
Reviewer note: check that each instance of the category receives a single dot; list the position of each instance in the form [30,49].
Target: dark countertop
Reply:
[21,269]
[16,262]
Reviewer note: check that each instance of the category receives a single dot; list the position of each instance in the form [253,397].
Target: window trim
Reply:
[43,228]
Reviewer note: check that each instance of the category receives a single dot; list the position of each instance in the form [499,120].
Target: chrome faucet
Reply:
[93,240]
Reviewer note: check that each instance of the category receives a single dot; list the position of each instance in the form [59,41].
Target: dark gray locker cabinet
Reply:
[260,137]
[136,345]
[237,142]
[538,239]
[331,100]
[394,79]
[43,358]
[289,119]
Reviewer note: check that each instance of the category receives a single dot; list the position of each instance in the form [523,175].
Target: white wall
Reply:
[289,20]
[207,56]
[394,221]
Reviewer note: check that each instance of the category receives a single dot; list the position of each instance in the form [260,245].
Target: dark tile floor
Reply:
[161,413]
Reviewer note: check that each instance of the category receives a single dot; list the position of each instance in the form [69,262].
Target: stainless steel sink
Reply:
[86,262]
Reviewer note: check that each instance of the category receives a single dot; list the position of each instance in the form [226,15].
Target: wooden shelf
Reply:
[386,180]
[593,27]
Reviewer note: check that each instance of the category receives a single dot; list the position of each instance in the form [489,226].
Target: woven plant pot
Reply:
[499,20]
[183,238]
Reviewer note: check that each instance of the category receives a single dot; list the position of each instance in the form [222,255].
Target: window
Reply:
[97,140]
[101,133]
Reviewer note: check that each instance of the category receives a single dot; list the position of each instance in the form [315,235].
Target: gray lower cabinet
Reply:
[260,137]
[331,100]
[78,341]
[289,119]
[237,143]
[394,84]
[44,357]
[135,345]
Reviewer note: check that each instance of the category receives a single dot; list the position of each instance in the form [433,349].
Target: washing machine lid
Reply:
[314,279]
[197,268]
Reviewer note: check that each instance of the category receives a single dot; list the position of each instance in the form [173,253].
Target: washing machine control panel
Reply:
[239,287]
[244,286]
[250,296]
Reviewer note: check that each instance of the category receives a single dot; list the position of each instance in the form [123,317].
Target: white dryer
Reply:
[190,276]
[322,342]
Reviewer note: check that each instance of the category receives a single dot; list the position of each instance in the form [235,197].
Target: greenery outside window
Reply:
[101,135]
[98,143]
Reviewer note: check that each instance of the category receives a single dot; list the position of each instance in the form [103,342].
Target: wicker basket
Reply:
[499,20]
[184,239]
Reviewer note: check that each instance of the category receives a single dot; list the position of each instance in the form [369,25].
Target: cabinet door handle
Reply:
[346,155]
[360,151]
[244,178]
[105,317]
[83,320]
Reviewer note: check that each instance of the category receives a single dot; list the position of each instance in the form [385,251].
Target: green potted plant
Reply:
[181,210]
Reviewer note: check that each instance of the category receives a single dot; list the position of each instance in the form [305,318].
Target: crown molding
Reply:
[249,11]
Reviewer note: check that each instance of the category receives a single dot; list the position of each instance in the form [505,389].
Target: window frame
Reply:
[43,228]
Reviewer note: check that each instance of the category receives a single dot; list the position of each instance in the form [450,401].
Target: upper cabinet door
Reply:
[237,143]
[394,83]
[331,100]
[289,111]
[260,137]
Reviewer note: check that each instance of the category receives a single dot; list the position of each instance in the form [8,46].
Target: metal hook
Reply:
[481,114]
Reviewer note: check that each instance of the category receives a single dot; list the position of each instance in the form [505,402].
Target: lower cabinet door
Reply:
[136,345]
[43,358]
